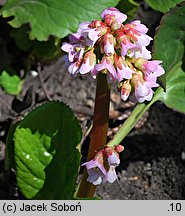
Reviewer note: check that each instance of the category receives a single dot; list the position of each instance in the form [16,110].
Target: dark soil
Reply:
[153,162]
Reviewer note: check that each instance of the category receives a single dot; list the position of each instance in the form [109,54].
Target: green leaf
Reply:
[174,97]
[162,5]
[10,83]
[170,37]
[46,154]
[58,18]
[129,7]
[169,47]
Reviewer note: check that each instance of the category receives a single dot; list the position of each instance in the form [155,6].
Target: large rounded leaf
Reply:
[170,38]
[162,5]
[174,97]
[169,47]
[56,17]
[46,154]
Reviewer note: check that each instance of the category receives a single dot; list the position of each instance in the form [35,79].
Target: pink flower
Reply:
[108,44]
[126,47]
[113,161]
[142,88]
[119,17]
[136,32]
[142,92]
[75,51]
[75,38]
[125,43]
[139,27]
[83,26]
[102,167]
[95,169]
[111,175]
[107,64]
[151,80]
[92,31]
[112,157]
[88,63]
[118,50]
[142,52]
[143,40]
[154,66]
[75,56]
[123,71]
[74,67]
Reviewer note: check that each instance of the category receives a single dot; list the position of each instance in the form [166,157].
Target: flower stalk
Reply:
[99,131]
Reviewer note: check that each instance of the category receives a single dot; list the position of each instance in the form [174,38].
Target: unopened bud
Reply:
[109,19]
[137,78]
[125,90]
[121,37]
[119,148]
[139,63]
[115,25]
[96,23]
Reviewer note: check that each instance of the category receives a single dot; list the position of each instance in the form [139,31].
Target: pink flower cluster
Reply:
[102,167]
[119,50]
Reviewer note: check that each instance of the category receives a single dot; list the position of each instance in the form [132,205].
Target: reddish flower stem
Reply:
[99,131]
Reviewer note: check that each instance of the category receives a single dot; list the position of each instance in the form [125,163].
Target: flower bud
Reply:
[115,25]
[125,90]
[139,63]
[109,19]
[95,24]
[119,148]
[138,77]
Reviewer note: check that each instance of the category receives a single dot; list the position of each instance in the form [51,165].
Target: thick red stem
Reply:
[99,131]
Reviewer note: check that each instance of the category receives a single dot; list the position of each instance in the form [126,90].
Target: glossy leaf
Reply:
[46,154]
[170,37]
[162,5]
[58,18]
[10,83]
[169,47]
[174,97]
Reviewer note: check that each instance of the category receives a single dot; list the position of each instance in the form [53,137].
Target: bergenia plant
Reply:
[44,147]
[114,53]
